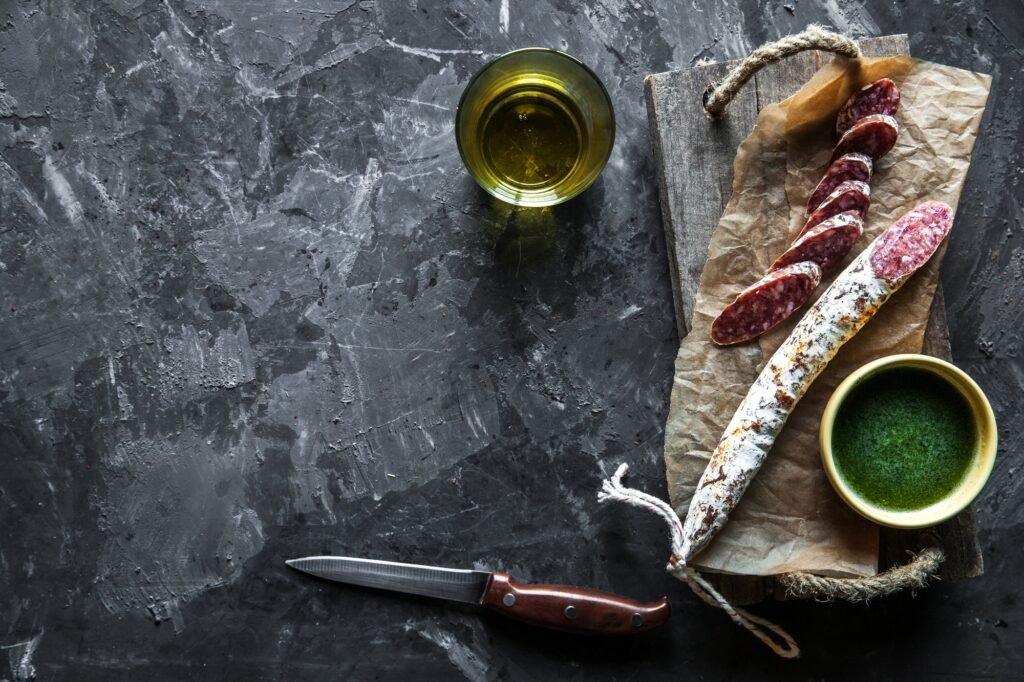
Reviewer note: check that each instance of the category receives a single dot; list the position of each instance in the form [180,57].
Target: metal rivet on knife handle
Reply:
[637,620]
[509,599]
[570,612]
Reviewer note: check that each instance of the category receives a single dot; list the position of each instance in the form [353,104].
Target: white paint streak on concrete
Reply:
[62,192]
[358,223]
[19,658]
[468,662]
[138,67]
[222,190]
[503,17]
[629,311]
[250,79]
[333,177]
[853,19]
[431,53]
[175,17]
[425,104]
[339,54]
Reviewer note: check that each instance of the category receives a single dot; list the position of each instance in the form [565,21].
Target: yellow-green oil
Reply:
[531,138]
[535,127]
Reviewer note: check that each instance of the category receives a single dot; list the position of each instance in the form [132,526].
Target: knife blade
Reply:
[558,607]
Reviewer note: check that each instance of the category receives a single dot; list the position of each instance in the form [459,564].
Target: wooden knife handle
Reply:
[573,609]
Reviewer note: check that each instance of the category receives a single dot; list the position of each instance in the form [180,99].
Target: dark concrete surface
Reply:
[254,308]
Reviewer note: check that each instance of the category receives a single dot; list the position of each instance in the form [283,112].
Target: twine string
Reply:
[613,489]
[718,95]
[913,575]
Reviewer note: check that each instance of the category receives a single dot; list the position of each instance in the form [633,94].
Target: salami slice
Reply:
[846,306]
[844,169]
[765,303]
[826,244]
[852,195]
[873,136]
[880,97]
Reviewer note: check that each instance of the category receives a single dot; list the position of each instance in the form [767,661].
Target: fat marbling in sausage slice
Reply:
[826,244]
[880,97]
[852,195]
[847,167]
[765,303]
[856,294]
[872,135]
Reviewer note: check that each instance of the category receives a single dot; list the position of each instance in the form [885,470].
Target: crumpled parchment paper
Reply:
[790,518]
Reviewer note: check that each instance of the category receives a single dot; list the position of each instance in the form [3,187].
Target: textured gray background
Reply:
[254,308]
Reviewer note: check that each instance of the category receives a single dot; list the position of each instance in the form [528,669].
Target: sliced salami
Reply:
[880,97]
[825,244]
[846,168]
[766,303]
[873,136]
[846,306]
[911,241]
[852,195]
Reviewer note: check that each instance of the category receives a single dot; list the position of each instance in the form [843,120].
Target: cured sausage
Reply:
[911,241]
[826,244]
[846,306]
[765,303]
[880,97]
[844,169]
[872,135]
[852,195]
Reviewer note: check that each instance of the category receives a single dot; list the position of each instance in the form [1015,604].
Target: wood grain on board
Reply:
[694,157]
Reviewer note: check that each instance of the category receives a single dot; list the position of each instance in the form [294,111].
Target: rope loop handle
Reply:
[718,95]
[913,575]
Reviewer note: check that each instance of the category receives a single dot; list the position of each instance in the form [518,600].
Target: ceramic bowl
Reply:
[977,473]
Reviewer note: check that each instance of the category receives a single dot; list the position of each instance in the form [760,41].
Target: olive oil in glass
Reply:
[535,127]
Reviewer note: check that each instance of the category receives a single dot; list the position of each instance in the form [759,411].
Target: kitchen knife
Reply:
[559,607]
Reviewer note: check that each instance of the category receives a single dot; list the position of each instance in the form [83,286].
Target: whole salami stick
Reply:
[846,306]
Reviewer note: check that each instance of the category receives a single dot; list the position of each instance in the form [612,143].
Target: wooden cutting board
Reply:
[694,158]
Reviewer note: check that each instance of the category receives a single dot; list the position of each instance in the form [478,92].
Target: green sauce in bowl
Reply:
[903,439]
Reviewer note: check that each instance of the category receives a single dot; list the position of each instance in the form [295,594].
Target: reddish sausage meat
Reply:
[826,244]
[765,303]
[872,135]
[844,169]
[849,196]
[880,97]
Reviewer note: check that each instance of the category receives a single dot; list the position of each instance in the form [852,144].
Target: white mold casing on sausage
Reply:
[846,306]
